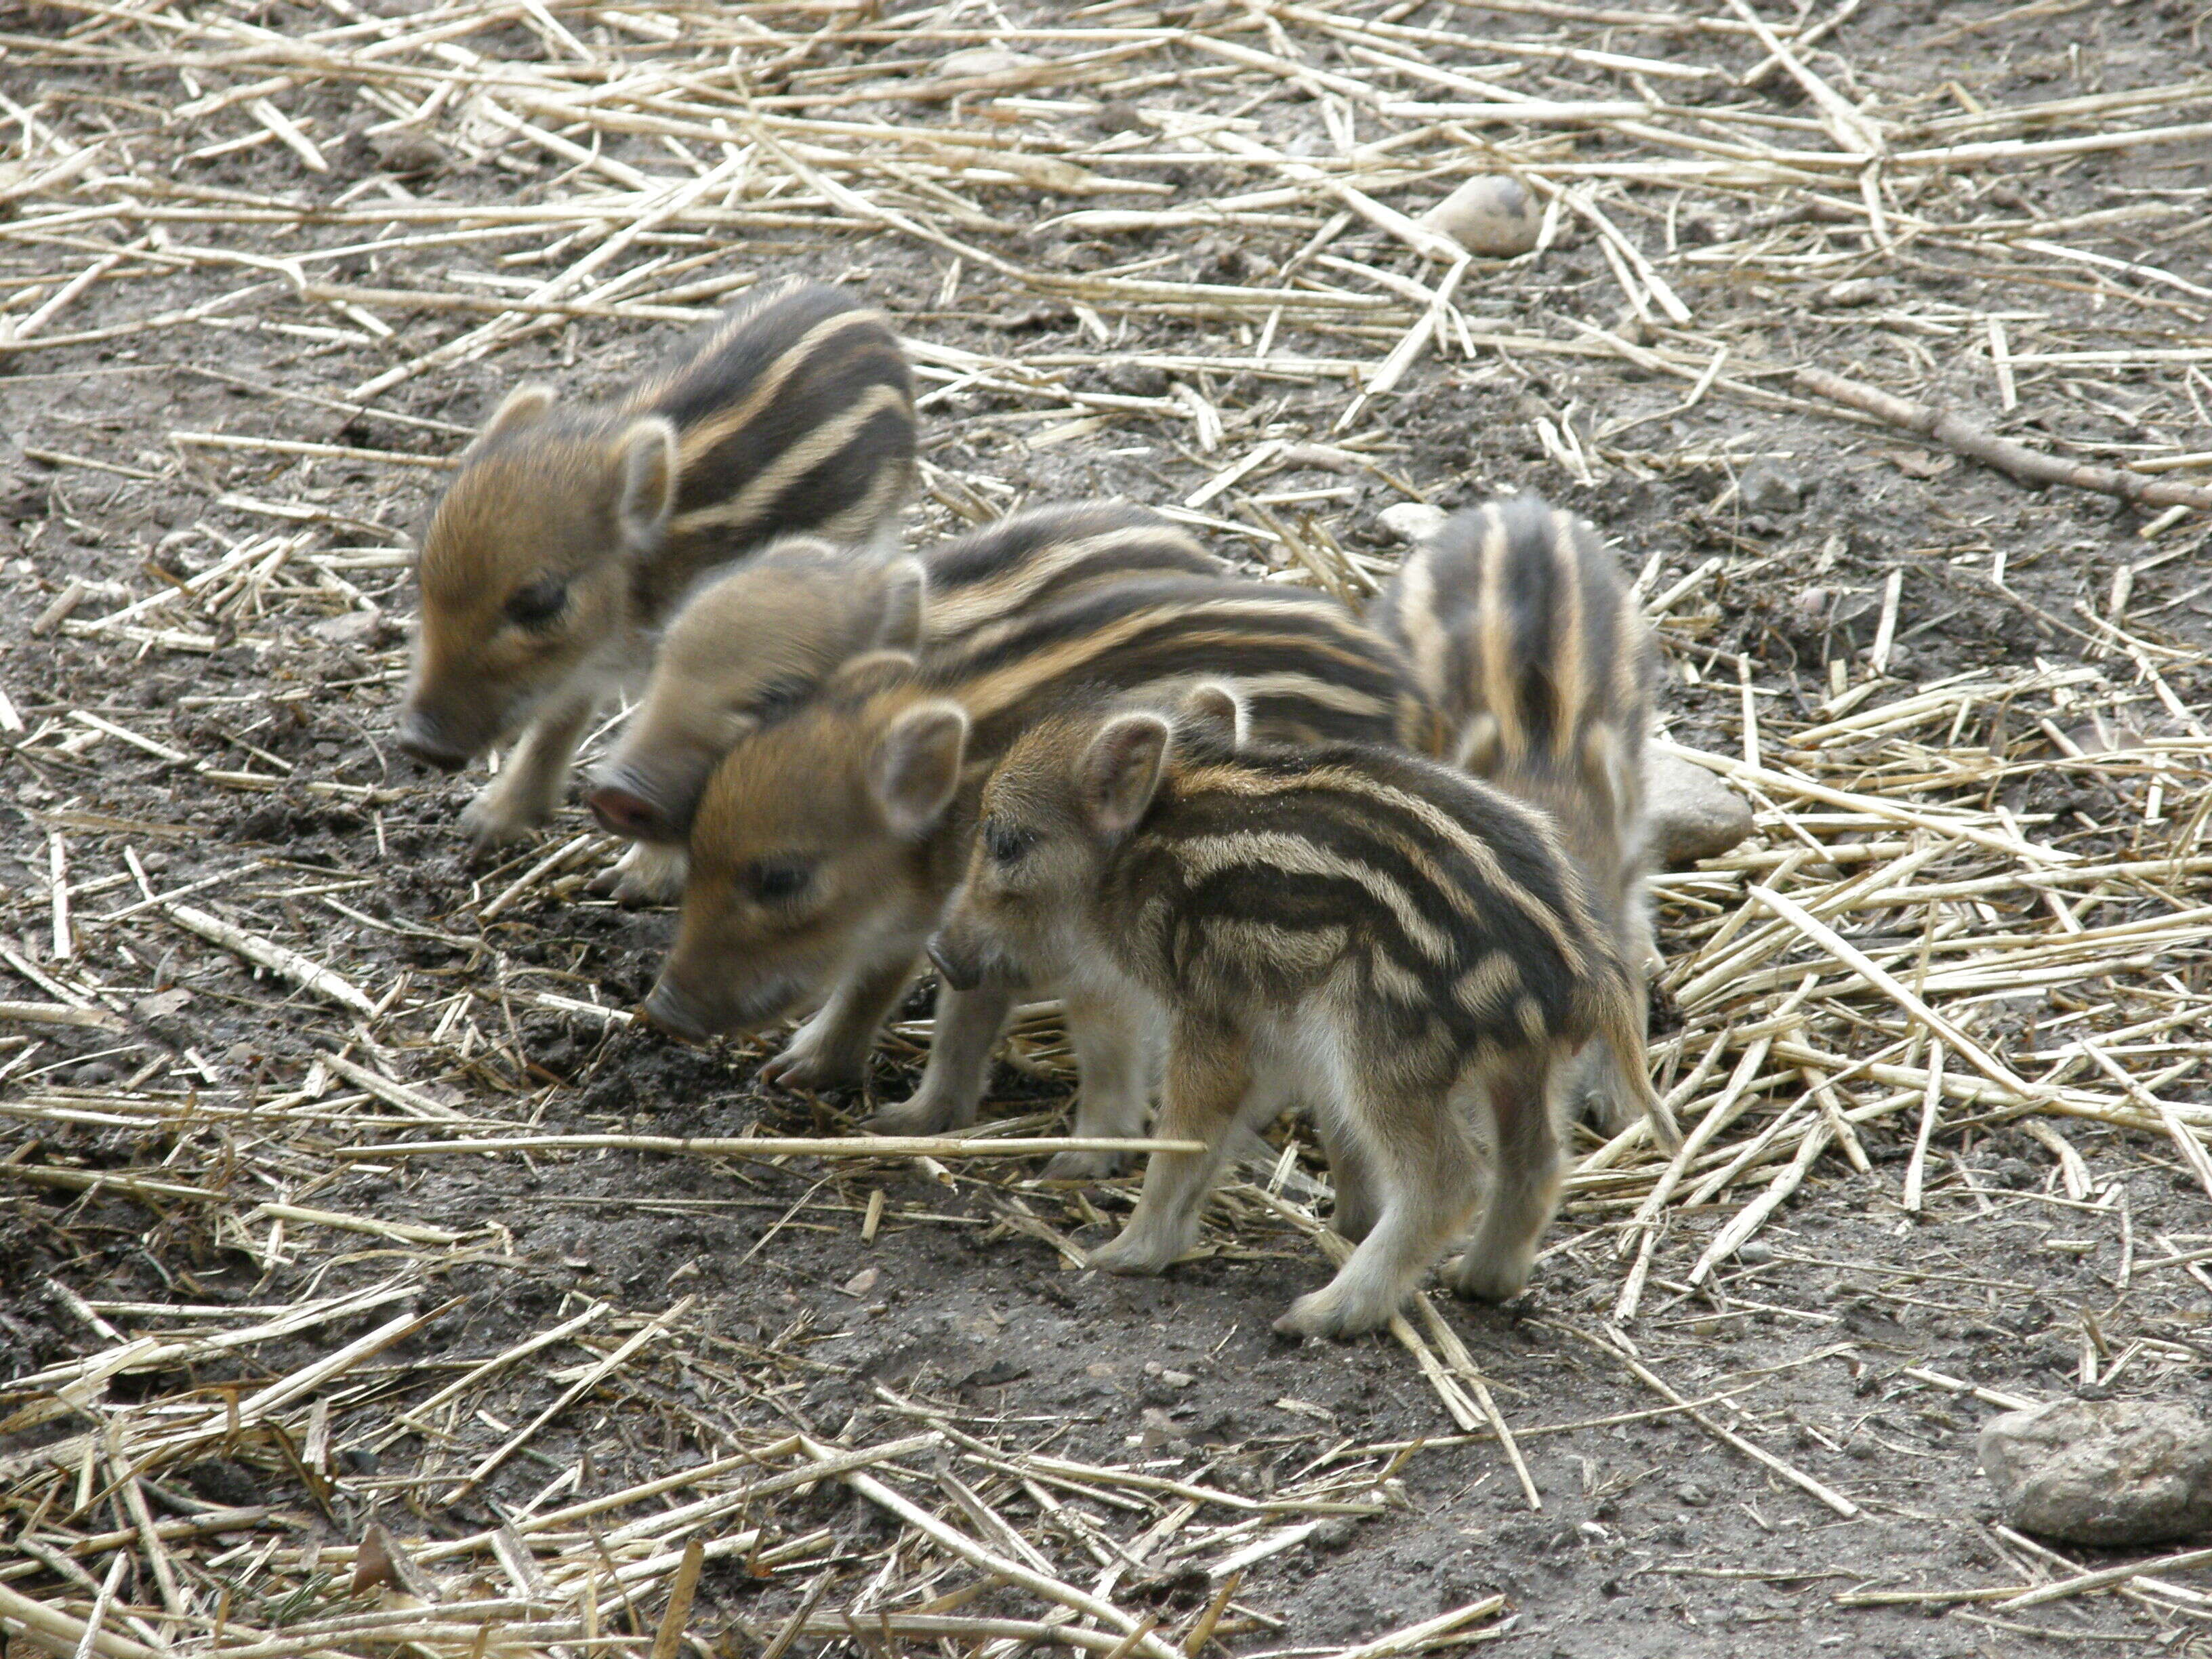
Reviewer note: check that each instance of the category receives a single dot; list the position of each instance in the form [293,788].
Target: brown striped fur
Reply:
[758,640]
[1375,937]
[825,843]
[1514,624]
[569,533]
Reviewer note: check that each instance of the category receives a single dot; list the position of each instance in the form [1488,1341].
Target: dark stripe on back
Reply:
[1145,543]
[1358,829]
[1189,629]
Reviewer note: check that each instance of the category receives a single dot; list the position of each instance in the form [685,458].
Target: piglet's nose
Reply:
[960,976]
[622,813]
[419,741]
[668,1010]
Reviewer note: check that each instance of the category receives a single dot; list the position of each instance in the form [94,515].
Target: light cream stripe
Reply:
[1427,644]
[1201,856]
[1493,672]
[747,506]
[1483,988]
[701,437]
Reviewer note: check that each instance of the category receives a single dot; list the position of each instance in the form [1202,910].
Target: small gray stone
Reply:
[1137,379]
[350,627]
[2109,1472]
[1693,815]
[407,154]
[1855,291]
[1492,216]
[1412,522]
[1335,1533]
[1119,115]
[1754,1253]
[1766,487]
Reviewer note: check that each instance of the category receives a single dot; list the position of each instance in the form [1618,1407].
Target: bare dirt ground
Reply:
[262,266]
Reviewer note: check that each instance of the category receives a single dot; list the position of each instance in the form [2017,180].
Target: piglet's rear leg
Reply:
[1358,1200]
[1524,1187]
[1423,1169]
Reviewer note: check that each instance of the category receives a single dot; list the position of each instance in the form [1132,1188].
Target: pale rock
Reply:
[1693,815]
[1766,487]
[982,60]
[1492,216]
[1412,522]
[1854,291]
[2103,1472]
[350,627]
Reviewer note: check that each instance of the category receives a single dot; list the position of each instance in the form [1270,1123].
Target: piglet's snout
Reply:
[623,811]
[420,739]
[956,972]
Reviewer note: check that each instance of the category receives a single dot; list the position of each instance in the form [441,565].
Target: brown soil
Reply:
[1654,1536]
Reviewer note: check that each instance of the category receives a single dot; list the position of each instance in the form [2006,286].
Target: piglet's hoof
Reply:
[800,1067]
[644,875]
[1488,1281]
[489,822]
[917,1116]
[1134,1252]
[1082,1166]
[1320,1314]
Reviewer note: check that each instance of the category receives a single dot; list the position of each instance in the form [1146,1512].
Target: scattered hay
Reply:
[1843,977]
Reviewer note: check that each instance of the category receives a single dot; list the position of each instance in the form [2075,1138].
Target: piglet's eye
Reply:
[1005,843]
[537,604]
[779,698]
[773,882]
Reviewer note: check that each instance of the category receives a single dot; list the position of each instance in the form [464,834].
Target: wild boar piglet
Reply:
[1380,939]
[1515,626]
[753,643]
[825,843]
[569,533]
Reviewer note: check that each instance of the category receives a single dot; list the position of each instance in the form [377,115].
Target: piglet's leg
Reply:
[1416,1185]
[1209,1079]
[645,873]
[1358,1201]
[1112,1055]
[951,1086]
[529,786]
[1524,1187]
[832,1047]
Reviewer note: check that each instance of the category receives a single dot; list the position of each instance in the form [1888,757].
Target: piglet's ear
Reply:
[870,672]
[1213,708]
[905,591]
[645,472]
[527,405]
[1120,771]
[916,766]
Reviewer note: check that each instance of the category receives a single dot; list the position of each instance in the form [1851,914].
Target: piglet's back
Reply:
[1309,669]
[1516,628]
[1276,869]
[795,412]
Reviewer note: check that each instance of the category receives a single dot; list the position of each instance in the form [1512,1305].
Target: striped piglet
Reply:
[1518,630]
[1383,939]
[570,534]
